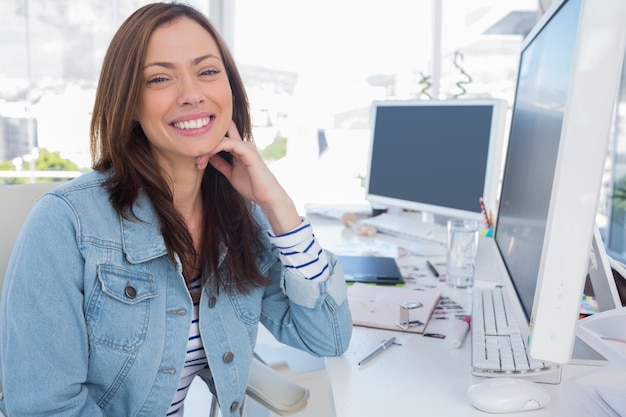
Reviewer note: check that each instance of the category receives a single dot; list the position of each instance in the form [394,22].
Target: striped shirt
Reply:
[298,250]
[195,359]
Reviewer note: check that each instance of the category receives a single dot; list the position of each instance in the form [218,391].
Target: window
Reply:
[52,52]
[312,70]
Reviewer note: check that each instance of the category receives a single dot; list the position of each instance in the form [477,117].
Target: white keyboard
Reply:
[408,227]
[497,345]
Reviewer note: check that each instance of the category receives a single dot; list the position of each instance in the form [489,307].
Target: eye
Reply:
[209,72]
[156,80]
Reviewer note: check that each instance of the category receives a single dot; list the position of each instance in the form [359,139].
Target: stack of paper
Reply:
[380,306]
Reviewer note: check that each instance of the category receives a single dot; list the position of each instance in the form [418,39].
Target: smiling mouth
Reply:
[192,124]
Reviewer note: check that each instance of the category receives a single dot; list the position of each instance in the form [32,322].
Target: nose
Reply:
[190,92]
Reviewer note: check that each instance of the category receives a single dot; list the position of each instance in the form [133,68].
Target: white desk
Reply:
[424,376]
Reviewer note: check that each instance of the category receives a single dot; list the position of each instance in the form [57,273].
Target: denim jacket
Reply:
[94,317]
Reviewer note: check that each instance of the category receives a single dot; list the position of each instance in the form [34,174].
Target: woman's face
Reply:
[186,103]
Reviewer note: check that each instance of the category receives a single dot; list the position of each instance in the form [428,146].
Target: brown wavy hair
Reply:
[119,146]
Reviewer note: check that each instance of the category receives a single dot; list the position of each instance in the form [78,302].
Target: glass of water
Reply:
[461,254]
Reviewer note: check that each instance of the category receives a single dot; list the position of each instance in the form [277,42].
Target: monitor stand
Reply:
[601,275]
[428,217]
[583,354]
[607,296]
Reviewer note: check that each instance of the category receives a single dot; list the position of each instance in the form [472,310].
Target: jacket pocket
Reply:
[119,310]
[247,307]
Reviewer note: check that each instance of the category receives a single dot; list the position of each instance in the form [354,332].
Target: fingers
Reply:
[232,144]
[232,131]
[202,161]
[221,165]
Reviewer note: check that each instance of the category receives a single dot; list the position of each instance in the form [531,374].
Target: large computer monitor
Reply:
[569,71]
[436,156]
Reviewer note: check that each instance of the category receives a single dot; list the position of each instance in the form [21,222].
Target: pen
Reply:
[432,268]
[460,328]
[384,345]
[484,210]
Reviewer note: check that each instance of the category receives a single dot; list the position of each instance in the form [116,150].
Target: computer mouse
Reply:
[507,395]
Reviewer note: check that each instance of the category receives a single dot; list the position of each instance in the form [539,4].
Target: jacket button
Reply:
[130,291]
[228,357]
[234,406]
[212,302]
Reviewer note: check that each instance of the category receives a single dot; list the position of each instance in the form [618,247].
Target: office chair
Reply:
[266,386]
[17,201]
[270,389]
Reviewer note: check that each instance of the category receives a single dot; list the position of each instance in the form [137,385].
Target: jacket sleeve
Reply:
[309,314]
[43,335]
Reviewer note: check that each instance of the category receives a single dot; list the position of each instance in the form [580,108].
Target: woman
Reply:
[159,264]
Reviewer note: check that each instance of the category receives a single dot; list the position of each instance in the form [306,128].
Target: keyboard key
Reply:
[497,344]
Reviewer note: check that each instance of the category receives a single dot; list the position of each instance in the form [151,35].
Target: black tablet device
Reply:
[371,269]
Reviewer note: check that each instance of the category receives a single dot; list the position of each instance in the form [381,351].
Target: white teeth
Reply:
[193,124]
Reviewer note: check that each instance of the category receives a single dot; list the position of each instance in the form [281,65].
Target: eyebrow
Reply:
[169,65]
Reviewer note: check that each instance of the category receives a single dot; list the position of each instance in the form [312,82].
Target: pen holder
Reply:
[405,315]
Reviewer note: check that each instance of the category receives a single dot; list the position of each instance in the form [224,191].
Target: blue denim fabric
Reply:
[94,317]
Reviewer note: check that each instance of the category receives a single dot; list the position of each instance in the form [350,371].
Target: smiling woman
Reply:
[160,264]
[186,104]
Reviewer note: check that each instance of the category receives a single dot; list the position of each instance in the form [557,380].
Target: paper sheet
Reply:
[379,306]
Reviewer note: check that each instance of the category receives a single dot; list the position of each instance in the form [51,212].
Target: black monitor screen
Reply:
[540,99]
[431,156]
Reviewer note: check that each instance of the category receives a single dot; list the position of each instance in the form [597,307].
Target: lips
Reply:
[192,124]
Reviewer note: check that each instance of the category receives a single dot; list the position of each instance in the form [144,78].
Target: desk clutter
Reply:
[367,222]
[405,309]
[351,221]
[371,269]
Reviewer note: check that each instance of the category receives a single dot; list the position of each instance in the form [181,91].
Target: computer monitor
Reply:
[568,78]
[436,156]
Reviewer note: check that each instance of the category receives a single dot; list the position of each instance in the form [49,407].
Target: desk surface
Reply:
[421,375]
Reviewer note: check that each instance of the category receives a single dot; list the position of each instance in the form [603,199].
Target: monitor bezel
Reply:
[493,166]
[592,94]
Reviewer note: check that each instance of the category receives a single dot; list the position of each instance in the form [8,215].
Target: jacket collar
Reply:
[141,239]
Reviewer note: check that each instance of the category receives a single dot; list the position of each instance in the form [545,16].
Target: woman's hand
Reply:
[252,178]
